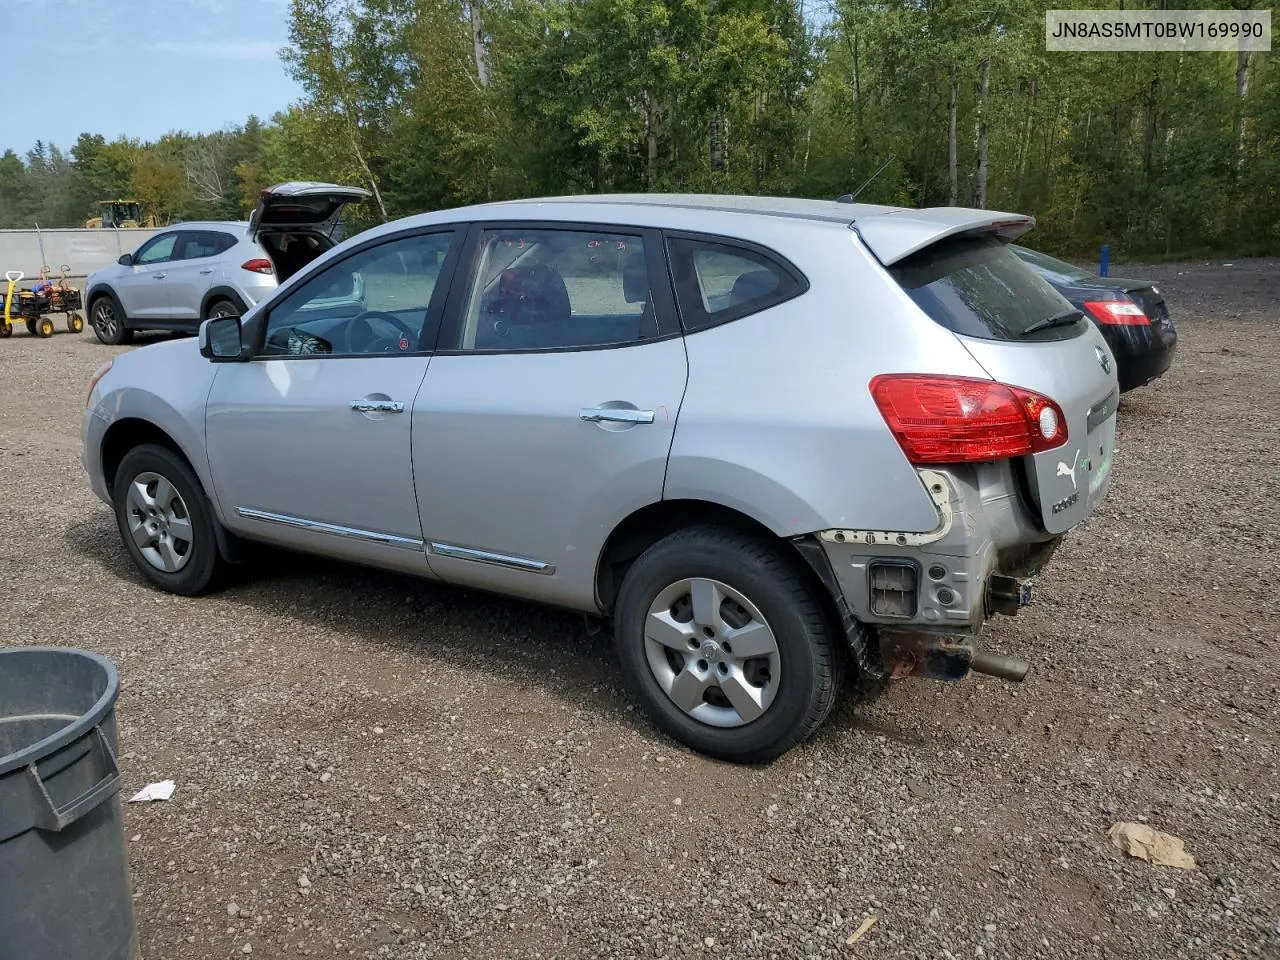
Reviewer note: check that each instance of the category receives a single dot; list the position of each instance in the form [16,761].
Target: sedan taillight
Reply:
[1123,313]
[939,419]
[258,265]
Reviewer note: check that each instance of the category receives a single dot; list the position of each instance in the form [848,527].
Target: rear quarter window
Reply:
[719,280]
[978,287]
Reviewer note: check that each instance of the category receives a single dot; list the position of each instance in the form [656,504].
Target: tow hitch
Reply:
[943,656]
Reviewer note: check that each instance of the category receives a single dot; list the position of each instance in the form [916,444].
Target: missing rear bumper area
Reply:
[942,656]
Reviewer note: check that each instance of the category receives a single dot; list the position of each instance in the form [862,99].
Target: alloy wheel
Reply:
[104,319]
[712,652]
[159,522]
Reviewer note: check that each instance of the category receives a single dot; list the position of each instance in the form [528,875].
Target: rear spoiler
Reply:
[896,235]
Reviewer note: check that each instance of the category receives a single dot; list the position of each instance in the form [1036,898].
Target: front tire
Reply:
[107,320]
[165,521]
[728,643]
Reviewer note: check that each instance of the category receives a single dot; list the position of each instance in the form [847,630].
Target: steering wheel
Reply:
[361,335]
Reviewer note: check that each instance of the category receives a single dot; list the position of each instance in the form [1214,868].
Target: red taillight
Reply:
[1121,312]
[258,265]
[939,419]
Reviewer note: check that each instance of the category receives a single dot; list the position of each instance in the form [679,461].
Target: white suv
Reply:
[178,278]
[195,271]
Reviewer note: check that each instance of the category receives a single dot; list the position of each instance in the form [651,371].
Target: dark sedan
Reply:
[1130,313]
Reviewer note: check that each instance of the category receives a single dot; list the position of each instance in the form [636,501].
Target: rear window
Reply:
[977,287]
[1051,268]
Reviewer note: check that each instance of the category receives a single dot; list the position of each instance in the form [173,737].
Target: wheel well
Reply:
[123,435]
[638,532]
[219,294]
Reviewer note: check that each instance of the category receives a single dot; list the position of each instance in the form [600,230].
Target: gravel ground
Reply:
[372,766]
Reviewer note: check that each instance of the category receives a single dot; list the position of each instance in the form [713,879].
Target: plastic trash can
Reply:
[64,877]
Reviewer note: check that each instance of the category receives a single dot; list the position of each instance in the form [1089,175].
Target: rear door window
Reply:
[198,244]
[717,281]
[977,287]
[538,288]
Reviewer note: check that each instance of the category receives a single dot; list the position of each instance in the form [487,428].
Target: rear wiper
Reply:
[1058,320]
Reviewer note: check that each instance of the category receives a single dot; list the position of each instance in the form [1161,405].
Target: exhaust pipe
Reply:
[998,665]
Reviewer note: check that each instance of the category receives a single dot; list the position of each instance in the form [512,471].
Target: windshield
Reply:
[1051,268]
[977,287]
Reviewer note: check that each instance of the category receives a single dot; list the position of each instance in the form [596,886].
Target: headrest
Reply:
[532,294]
[753,285]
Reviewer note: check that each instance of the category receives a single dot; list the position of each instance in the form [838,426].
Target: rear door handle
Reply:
[615,415]
[157,276]
[377,406]
[208,271]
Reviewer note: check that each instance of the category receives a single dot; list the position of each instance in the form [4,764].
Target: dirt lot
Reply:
[372,766]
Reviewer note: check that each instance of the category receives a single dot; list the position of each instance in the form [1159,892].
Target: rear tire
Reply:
[222,308]
[44,328]
[107,320]
[778,685]
[31,327]
[165,521]
[75,323]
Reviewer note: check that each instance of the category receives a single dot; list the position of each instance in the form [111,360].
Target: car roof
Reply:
[891,233]
[831,211]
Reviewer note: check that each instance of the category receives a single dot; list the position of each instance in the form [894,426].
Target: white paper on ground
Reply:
[154,791]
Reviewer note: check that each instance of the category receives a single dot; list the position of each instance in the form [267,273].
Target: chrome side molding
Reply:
[333,529]
[455,552]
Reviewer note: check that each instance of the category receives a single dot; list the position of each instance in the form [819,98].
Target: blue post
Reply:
[1105,261]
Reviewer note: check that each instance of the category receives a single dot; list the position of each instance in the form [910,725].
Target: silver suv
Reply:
[194,271]
[780,443]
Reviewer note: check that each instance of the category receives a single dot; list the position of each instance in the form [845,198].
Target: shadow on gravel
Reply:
[510,640]
[521,643]
[1146,407]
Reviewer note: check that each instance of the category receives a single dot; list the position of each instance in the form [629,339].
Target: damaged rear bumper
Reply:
[926,595]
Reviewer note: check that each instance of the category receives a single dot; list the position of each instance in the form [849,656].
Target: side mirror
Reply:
[126,260]
[220,339]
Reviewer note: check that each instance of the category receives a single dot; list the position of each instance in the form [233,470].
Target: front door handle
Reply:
[157,276]
[377,406]
[615,415]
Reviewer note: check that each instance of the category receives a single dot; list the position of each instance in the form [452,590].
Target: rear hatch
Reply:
[1024,334]
[295,222]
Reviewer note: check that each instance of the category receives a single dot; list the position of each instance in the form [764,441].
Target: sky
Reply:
[139,68]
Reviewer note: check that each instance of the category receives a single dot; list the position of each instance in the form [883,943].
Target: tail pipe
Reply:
[998,665]
[942,656]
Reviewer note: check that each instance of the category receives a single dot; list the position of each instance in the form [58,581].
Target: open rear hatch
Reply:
[295,222]
[956,266]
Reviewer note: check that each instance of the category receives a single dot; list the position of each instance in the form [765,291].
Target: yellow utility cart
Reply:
[30,306]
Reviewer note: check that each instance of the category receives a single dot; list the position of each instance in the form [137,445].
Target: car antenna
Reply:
[851,197]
